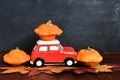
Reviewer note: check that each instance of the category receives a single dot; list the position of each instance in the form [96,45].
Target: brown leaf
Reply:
[102,68]
[58,69]
[20,69]
[116,67]
[48,70]
[80,70]
[35,72]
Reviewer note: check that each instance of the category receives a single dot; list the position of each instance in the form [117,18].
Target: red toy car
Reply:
[47,52]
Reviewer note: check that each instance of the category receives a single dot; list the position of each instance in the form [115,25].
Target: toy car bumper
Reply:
[31,62]
[75,62]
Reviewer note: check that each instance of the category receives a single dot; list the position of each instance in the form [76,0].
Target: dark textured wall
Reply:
[94,23]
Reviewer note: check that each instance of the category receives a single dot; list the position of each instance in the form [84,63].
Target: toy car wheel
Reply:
[69,62]
[39,62]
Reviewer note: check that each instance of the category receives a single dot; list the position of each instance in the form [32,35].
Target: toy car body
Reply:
[48,52]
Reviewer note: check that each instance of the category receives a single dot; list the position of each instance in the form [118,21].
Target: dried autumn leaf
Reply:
[116,67]
[35,72]
[102,68]
[80,70]
[20,69]
[58,69]
[48,70]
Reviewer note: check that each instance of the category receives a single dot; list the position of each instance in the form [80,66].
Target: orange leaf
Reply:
[102,68]
[20,69]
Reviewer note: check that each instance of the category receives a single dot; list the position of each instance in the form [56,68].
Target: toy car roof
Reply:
[42,42]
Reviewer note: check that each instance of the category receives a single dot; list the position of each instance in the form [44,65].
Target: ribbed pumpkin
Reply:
[48,31]
[89,56]
[16,57]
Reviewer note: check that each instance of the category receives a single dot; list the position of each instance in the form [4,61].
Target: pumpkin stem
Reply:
[17,48]
[49,22]
[88,49]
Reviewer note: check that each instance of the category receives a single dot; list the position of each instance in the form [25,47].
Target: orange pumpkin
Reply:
[48,31]
[16,57]
[89,57]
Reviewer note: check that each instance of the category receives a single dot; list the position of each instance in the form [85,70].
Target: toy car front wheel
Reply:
[69,62]
[39,62]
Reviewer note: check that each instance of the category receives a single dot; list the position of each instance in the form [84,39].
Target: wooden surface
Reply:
[109,57]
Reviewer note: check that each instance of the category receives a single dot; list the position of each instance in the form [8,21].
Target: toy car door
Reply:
[55,54]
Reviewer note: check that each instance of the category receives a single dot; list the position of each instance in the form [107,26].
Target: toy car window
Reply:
[43,48]
[53,48]
[61,47]
[34,47]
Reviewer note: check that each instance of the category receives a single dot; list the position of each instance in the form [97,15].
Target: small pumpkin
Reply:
[48,31]
[16,57]
[89,56]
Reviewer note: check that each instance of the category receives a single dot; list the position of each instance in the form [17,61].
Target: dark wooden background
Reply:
[94,23]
